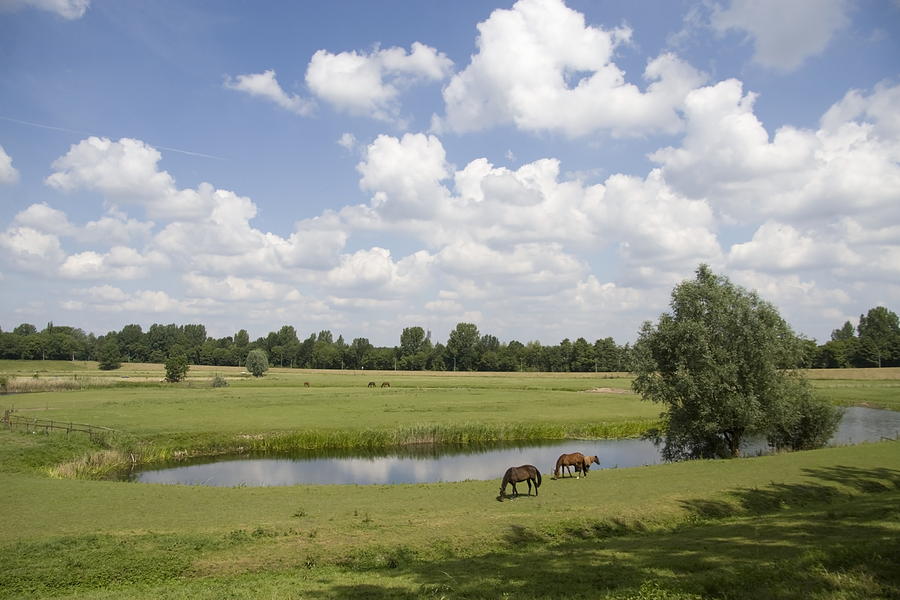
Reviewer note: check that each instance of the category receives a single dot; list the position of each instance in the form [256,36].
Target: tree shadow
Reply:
[829,541]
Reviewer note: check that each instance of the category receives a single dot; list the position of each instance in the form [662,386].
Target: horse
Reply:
[371,384]
[305,384]
[576,459]
[516,475]
[385,384]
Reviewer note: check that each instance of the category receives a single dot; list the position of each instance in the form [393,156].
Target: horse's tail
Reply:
[538,482]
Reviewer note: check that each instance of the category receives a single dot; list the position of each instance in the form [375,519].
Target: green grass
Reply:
[824,520]
[820,524]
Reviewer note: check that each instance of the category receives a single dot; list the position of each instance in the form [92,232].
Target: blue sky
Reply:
[542,169]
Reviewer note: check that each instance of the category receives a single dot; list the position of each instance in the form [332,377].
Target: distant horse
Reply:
[576,459]
[516,475]
[371,384]
[305,384]
[385,384]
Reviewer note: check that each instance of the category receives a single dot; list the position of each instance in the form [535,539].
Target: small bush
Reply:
[219,381]
[257,362]
[176,368]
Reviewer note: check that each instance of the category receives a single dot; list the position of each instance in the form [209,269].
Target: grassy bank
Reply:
[812,524]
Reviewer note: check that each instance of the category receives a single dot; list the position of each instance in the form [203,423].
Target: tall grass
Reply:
[121,451]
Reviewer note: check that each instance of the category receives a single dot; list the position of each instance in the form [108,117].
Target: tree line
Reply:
[874,342]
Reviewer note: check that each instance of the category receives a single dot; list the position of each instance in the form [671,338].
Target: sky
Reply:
[543,169]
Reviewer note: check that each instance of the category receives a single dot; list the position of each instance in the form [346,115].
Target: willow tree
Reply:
[722,364]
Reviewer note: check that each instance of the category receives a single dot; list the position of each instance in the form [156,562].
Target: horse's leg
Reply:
[529,485]
[515,491]
[535,487]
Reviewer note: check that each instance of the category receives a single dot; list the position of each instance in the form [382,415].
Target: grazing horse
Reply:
[385,384]
[516,475]
[578,460]
[305,384]
[371,384]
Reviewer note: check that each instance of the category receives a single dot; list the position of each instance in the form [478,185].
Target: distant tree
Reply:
[878,329]
[582,356]
[714,362]
[176,368]
[412,341]
[461,347]
[357,351]
[257,362]
[25,329]
[109,355]
[844,333]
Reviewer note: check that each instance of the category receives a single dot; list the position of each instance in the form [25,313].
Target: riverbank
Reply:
[826,518]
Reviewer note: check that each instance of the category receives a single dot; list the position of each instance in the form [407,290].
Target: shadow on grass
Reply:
[830,544]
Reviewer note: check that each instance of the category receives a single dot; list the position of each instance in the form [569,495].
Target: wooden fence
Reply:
[12,421]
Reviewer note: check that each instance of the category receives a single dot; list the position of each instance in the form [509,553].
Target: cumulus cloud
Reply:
[67,9]
[368,84]
[112,228]
[28,249]
[119,263]
[541,68]
[265,85]
[106,298]
[8,173]
[126,172]
[785,34]
[231,288]
[850,166]
[779,247]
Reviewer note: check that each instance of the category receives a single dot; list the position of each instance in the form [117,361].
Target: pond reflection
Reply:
[430,463]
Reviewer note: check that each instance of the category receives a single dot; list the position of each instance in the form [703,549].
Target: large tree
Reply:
[717,363]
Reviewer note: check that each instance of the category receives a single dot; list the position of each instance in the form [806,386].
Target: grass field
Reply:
[819,524]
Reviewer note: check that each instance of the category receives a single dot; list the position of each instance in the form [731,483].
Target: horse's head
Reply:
[588,460]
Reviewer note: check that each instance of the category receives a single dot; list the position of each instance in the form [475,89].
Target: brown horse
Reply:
[516,475]
[305,384]
[385,384]
[371,384]
[576,459]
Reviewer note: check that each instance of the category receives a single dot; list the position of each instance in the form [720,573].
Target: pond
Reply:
[427,464]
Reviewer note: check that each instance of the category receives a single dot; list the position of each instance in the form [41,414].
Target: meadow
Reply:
[818,524]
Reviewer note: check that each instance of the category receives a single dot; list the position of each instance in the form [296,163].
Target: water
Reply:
[426,464]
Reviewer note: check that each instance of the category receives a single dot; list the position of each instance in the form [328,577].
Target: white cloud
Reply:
[847,167]
[779,247]
[541,68]
[108,298]
[44,218]
[114,228]
[401,191]
[369,84]
[264,85]
[27,249]
[785,33]
[374,273]
[126,171]
[67,9]
[347,141]
[8,173]
[119,263]
[232,288]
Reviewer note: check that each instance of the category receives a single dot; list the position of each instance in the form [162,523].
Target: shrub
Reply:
[176,368]
[257,362]
[219,381]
